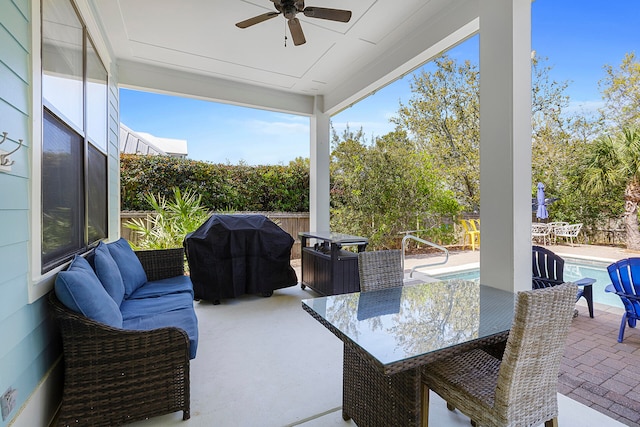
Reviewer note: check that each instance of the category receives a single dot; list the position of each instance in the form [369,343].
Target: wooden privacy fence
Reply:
[291,222]
[610,232]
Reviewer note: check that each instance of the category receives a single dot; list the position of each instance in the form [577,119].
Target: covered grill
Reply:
[233,255]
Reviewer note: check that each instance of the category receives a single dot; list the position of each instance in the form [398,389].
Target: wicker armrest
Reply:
[115,376]
[162,263]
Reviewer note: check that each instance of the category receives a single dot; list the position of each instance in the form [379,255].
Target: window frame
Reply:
[81,230]
[40,281]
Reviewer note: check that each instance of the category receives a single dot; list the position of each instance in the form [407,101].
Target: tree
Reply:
[551,145]
[442,117]
[383,188]
[621,93]
[612,162]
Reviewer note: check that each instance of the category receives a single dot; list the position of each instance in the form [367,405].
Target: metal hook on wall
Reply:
[4,157]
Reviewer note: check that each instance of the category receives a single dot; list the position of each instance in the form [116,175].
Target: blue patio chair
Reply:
[548,270]
[625,278]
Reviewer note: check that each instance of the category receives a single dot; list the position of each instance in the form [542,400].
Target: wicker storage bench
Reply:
[115,375]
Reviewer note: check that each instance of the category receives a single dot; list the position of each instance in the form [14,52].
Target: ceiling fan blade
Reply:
[257,19]
[296,32]
[330,14]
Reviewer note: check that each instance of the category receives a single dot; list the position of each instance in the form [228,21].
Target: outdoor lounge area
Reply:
[265,362]
[261,361]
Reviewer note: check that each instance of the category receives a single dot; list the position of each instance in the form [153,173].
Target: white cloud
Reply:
[294,127]
[585,108]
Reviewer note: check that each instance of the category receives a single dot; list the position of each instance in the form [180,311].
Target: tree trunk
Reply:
[631,199]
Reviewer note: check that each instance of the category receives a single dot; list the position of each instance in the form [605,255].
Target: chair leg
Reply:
[622,326]
[588,296]
[553,422]
[425,406]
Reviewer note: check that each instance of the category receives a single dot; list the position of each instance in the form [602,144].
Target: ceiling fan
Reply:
[290,8]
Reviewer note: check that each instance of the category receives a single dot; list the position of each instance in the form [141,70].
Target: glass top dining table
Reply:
[390,335]
[402,327]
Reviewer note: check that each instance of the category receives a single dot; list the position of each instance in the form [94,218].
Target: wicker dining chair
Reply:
[380,269]
[521,389]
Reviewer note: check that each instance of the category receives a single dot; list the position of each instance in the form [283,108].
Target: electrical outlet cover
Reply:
[8,402]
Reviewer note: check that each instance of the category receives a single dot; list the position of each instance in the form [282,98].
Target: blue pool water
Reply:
[574,269]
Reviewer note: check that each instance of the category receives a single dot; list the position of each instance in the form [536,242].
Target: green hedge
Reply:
[223,187]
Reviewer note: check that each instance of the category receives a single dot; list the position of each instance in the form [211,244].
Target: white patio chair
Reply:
[568,231]
[552,226]
[540,230]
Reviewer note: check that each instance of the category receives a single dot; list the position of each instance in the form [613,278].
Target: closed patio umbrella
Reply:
[541,213]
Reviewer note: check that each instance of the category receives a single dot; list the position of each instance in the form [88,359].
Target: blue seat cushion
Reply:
[131,270]
[174,310]
[80,290]
[158,288]
[132,308]
[108,273]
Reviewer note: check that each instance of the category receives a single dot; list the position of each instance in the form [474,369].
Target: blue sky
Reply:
[577,36]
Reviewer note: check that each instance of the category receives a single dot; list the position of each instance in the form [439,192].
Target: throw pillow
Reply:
[80,290]
[108,273]
[133,275]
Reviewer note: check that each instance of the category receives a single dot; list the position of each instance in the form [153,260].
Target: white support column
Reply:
[505,143]
[319,168]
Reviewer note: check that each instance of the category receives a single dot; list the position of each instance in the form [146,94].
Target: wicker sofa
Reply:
[119,371]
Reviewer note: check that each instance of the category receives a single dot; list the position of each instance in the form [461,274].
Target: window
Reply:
[74,160]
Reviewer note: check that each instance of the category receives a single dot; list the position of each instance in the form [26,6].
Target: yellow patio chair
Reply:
[471,233]
[475,226]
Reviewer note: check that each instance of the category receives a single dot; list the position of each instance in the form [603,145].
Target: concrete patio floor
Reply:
[265,362]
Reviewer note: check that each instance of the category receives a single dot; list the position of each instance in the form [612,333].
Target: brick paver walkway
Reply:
[600,372]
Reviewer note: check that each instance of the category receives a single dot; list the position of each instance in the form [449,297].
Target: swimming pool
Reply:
[574,269]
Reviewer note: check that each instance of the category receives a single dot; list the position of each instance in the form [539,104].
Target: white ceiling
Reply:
[192,47]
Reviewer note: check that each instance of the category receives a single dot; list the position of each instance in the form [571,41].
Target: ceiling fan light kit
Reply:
[289,9]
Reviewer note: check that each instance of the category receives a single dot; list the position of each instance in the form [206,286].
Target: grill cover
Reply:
[232,255]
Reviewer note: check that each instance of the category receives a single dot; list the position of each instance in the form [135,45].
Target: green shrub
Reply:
[221,187]
[171,222]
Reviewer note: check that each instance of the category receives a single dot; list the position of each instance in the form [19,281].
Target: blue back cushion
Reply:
[108,273]
[133,275]
[80,290]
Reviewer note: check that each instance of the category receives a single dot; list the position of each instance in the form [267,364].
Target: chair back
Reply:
[571,230]
[547,268]
[540,230]
[625,277]
[528,376]
[556,225]
[380,269]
